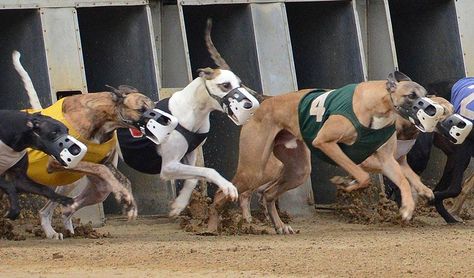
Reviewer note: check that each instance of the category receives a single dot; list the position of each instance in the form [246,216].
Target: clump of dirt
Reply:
[7,231]
[370,206]
[30,205]
[28,221]
[359,207]
[80,231]
[194,219]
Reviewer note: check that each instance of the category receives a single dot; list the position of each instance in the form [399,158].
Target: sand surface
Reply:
[326,246]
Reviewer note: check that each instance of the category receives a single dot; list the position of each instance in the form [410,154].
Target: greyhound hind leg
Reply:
[272,172]
[296,170]
[9,189]
[46,214]
[251,167]
[459,201]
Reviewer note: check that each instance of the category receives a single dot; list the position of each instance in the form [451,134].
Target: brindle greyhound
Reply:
[94,117]
[275,128]
[29,131]
[176,157]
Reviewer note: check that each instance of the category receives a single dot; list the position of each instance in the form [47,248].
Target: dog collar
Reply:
[218,99]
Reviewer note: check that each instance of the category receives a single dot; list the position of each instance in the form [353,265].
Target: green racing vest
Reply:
[316,107]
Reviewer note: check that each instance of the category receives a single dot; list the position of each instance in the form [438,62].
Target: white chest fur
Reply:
[380,122]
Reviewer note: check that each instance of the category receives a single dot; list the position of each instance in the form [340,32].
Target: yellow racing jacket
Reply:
[38,160]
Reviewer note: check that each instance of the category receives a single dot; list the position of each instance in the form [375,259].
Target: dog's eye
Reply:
[226,85]
[412,95]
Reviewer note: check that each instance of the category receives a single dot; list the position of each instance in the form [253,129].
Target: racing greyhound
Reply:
[175,155]
[93,119]
[406,136]
[343,127]
[456,139]
[20,130]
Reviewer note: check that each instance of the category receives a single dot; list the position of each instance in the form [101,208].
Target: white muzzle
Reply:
[456,128]
[159,125]
[72,153]
[239,105]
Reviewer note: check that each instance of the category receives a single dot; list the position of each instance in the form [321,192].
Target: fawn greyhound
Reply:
[344,127]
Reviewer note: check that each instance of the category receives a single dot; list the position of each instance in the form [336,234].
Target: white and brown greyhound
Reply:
[282,132]
[175,158]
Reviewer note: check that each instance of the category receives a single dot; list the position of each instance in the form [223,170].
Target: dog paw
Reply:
[176,208]
[132,214]
[427,193]
[457,217]
[230,191]
[247,218]
[285,230]
[130,207]
[406,212]
[55,236]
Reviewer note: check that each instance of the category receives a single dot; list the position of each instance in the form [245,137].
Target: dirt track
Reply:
[325,247]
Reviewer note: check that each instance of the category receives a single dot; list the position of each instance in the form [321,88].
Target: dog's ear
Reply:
[400,76]
[207,73]
[125,90]
[117,95]
[391,83]
[394,78]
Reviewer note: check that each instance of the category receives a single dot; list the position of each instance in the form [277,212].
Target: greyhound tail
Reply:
[215,55]
[30,89]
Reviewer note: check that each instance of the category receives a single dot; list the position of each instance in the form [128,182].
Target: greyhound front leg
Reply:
[183,198]
[122,195]
[391,169]
[46,214]
[9,189]
[415,180]
[333,151]
[177,170]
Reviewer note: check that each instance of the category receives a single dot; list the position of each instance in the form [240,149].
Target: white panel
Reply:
[360,40]
[28,4]
[214,2]
[154,44]
[275,56]
[380,46]
[174,68]
[277,73]
[63,50]
[465,10]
